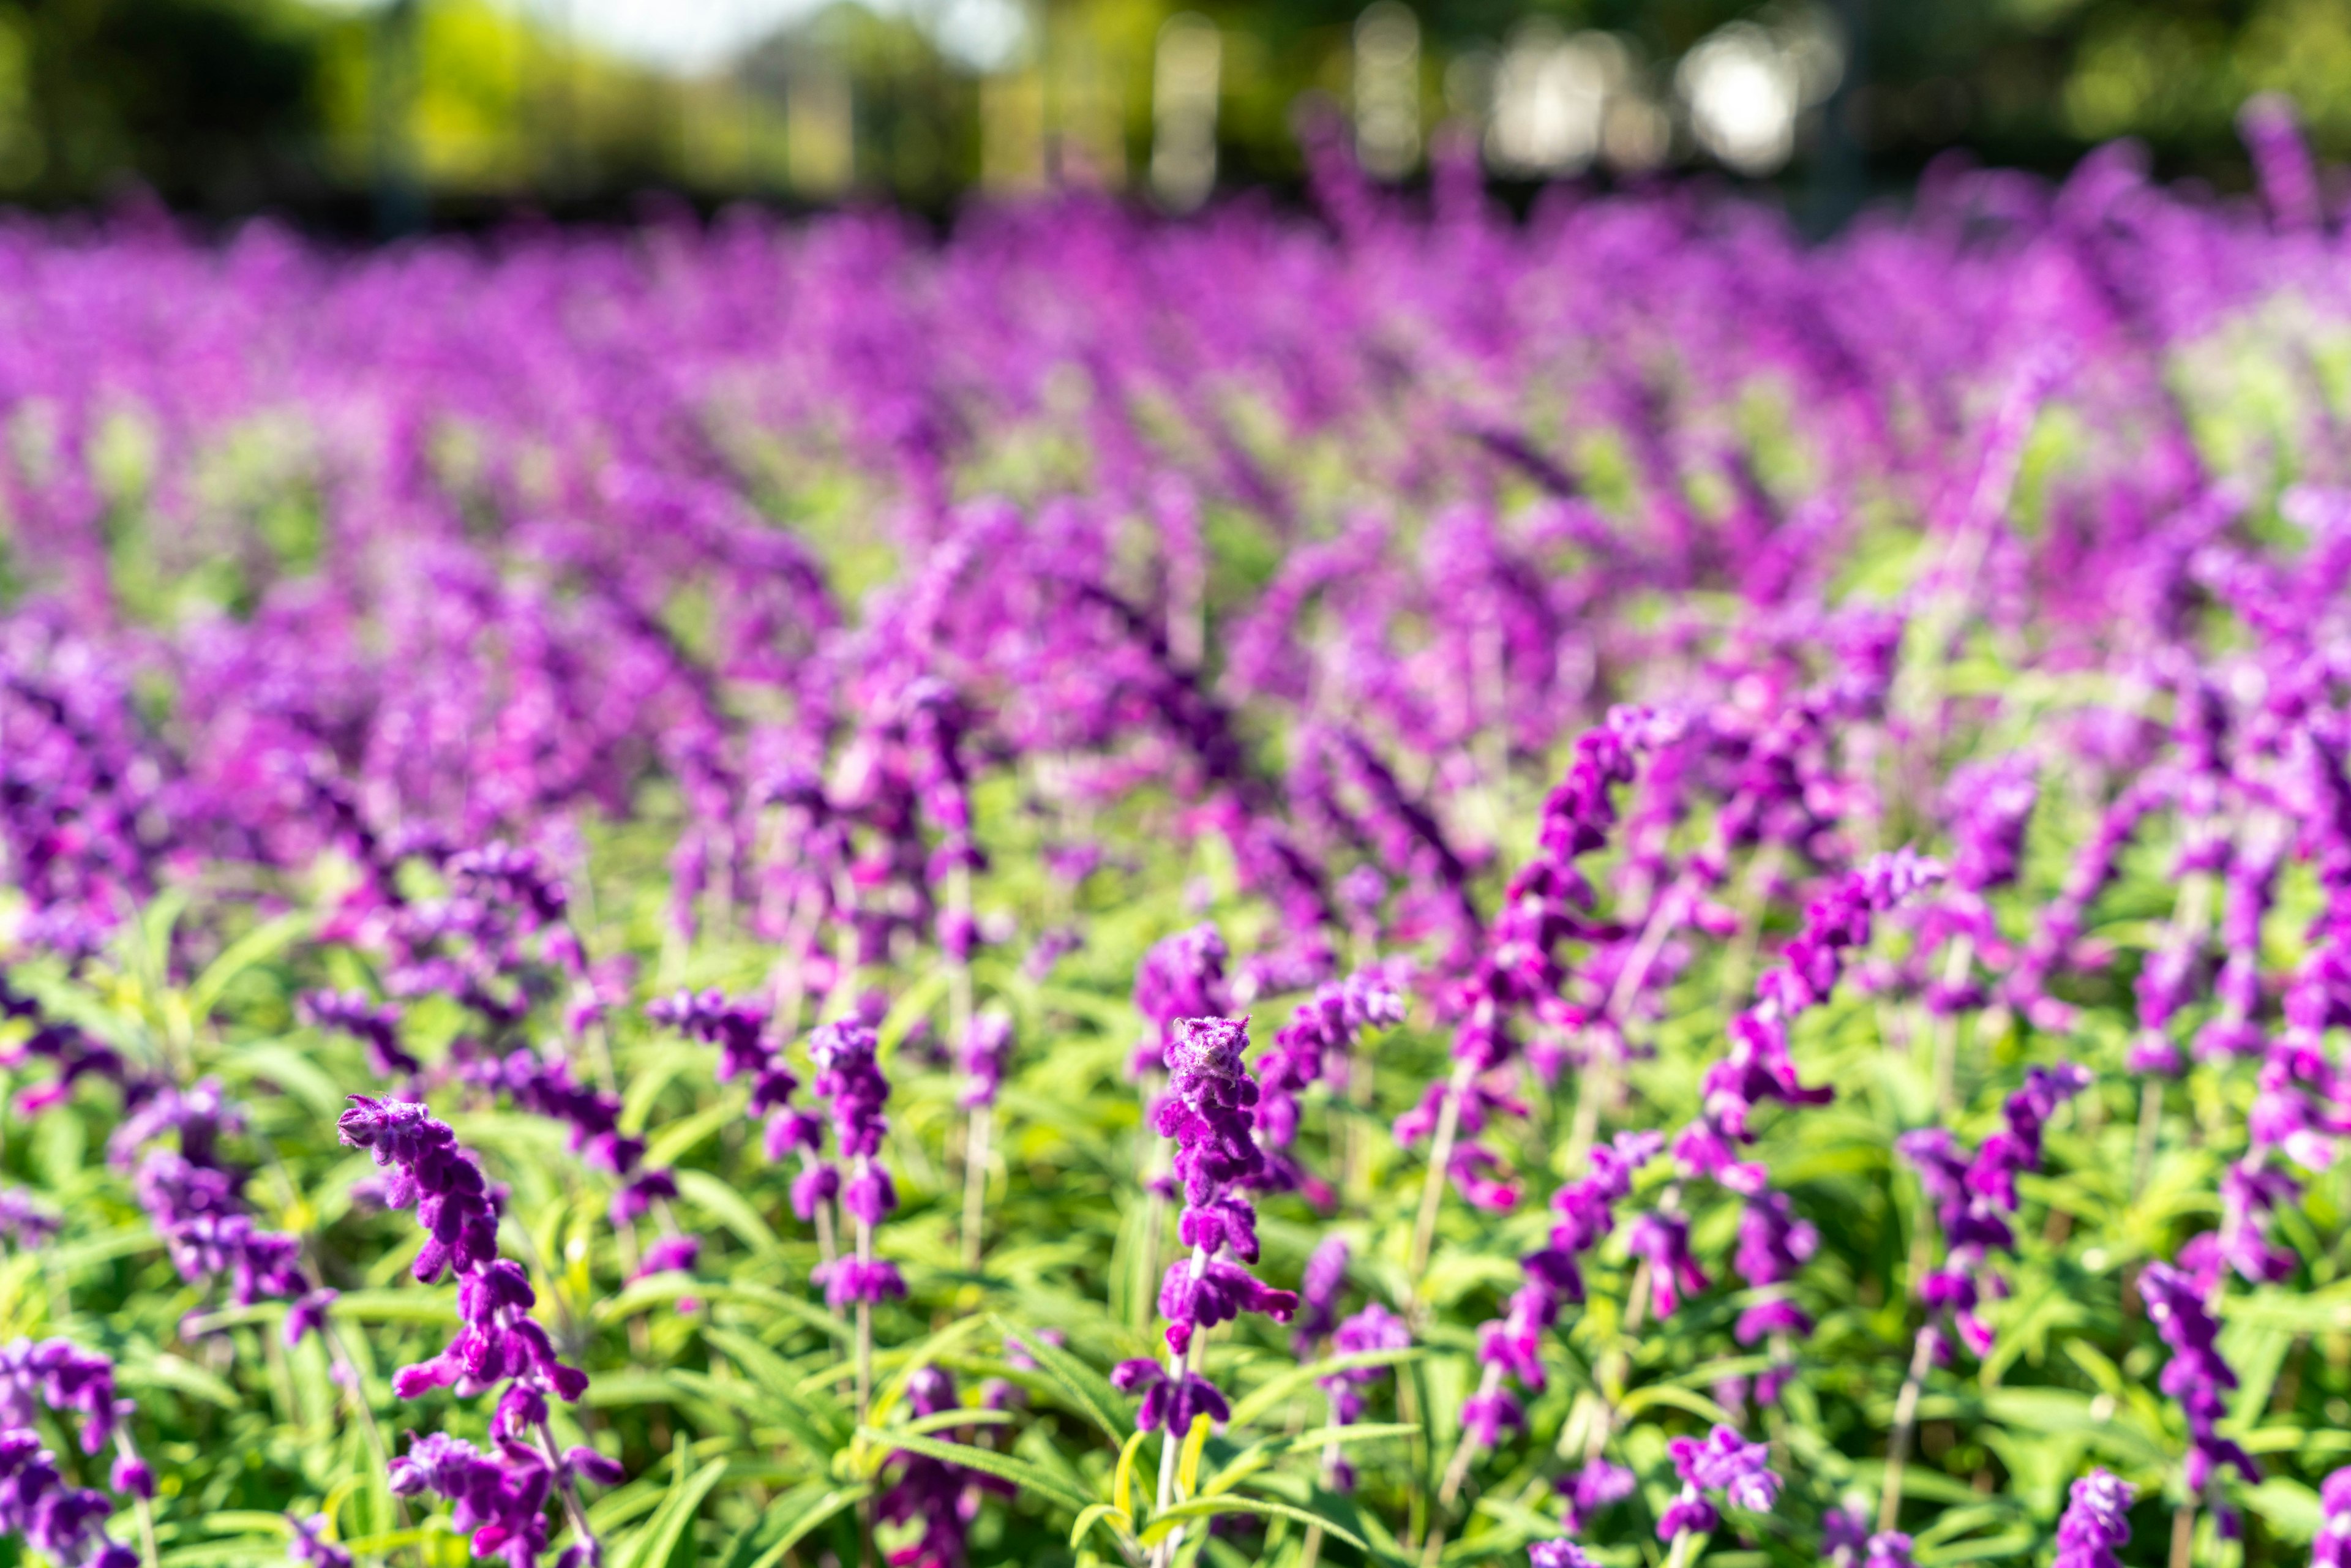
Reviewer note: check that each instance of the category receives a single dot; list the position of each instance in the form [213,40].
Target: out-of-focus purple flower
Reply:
[1974,1195]
[2331,1547]
[1721,1463]
[311,1546]
[2195,1376]
[1316,1044]
[374,1025]
[1557,1554]
[51,1515]
[986,1049]
[2095,1522]
[1318,1292]
[943,1498]
[1182,976]
[1585,1491]
[24,1220]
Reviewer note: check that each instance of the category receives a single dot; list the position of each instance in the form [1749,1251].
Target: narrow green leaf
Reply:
[652,1546]
[1099,1513]
[1162,1524]
[788,1521]
[729,1208]
[1019,1472]
[1275,1389]
[827,1421]
[257,946]
[1089,1391]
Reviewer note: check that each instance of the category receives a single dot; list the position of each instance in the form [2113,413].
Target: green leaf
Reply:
[820,1421]
[1696,1403]
[1118,1518]
[1089,1391]
[652,1546]
[1163,1524]
[729,1208]
[1019,1472]
[1276,1389]
[289,1072]
[788,1521]
[418,1306]
[794,1414]
[947,1420]
[664,1147]
[257,946]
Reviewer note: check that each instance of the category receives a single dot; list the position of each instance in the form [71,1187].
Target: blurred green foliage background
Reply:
[407,111]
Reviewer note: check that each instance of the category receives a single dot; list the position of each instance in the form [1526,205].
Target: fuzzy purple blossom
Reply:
[1557,1554]
[501,1496]
[1181,976]
[372,1024]
[2331,1547]
[309,1545]
[850,1080]
[1974,1195]
[2095,1522]
[2195,1376]
[52,1516]
[1722,1464]
[986,1050]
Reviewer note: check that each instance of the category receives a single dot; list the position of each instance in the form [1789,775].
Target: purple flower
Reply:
[375,1026]
[1974,1195]
[500,1497]
[1318,1291]
[2195,1376]
[1170,1400]
[24,1220]
[2331,1548]
[1723,1463]
[1557,1554]
[943,1498]
[986,1048]
[2095,1522]
[1182,976]
[1584,1492]
[311,1546]
[52,1516]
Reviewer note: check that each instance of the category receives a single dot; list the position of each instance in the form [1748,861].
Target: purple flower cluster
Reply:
[849,1078]
[374,1025]
[1316,1045]
[196,1205]
[1373,1328]
[2331,1548]
[1847,1542]
[1181,976]
[2095,1522]
[499,1499]
[943,1499]
[1758,1068]
[64,1522]
[986,1050]
[1513,1343]
[1723,1464]
[545,1086]
[501,1496]
[59,1375]
[1207,1111]
[1557,1554]
[1973,1196]
[1518,969]
[2196,1376]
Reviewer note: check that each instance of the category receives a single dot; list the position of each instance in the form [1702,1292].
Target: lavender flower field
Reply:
[1397,886]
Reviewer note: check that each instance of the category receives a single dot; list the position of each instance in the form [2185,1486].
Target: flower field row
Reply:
[1402,887]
